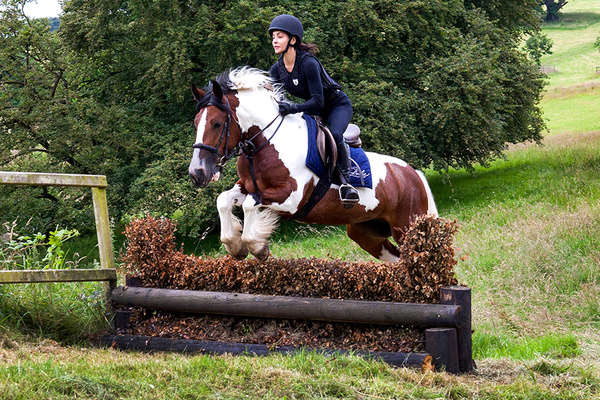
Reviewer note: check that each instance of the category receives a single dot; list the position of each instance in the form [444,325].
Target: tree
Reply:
[438,83]
[52,120]
[537,46]
[552,9]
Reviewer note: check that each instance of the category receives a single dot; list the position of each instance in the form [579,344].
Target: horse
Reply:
[237,115]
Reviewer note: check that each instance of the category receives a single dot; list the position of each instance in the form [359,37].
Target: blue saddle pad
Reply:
[314,163]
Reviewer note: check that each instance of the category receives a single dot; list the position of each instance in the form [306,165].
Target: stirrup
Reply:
[347,203]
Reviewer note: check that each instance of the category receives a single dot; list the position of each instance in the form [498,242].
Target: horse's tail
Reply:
[431,208]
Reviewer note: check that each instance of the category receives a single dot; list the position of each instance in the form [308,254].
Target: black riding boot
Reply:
[348,194]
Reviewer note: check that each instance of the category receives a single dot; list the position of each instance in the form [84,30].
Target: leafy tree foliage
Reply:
[537,46]
[437,83]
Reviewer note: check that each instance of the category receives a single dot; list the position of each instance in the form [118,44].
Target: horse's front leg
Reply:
[259,223]
[231,227]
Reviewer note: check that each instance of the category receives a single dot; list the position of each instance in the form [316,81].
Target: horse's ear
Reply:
[217,90]
[197,93]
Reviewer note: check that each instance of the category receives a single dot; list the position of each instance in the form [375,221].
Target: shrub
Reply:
[427,263]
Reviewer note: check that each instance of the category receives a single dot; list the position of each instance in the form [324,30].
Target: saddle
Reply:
[326,143]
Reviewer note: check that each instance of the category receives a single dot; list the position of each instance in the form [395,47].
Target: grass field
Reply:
[528,246]
[573,39]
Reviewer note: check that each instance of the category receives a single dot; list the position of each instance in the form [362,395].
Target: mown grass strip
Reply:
[487,345]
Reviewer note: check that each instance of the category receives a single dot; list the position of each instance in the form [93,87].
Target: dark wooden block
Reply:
[133,281]
[442,345]
[122,319]
[461,296]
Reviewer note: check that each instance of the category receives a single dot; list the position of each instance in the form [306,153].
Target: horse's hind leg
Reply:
[377,245]
[231,227]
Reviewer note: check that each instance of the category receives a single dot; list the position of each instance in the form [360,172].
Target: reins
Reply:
[245,146]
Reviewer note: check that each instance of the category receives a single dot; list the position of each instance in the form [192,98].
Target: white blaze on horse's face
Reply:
[202,168]
[201,126]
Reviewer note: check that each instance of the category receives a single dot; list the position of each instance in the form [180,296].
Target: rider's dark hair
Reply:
[308,47]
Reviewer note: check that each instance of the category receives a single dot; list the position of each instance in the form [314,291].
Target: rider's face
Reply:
[280,41]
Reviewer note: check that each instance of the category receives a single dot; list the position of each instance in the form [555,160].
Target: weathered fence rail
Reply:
[96,182]
[98,185]
[58,275]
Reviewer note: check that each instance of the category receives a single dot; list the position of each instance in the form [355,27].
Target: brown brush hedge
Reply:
[426,264]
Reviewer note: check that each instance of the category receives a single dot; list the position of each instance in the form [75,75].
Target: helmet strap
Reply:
[287,47]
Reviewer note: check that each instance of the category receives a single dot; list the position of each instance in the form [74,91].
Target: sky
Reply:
[42,8]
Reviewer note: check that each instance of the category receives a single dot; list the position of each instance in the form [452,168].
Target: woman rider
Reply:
[303,76]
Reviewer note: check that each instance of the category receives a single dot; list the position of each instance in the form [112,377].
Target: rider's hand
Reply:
[286,108]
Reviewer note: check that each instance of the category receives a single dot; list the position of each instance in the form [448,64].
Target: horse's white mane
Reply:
[244,78]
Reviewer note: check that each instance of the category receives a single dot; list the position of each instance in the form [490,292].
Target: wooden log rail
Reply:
[286,307]
[150,343]
[448,339]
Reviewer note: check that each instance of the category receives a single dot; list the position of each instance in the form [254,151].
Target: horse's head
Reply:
[217,133]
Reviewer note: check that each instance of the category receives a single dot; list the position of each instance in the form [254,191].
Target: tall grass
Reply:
[68,312]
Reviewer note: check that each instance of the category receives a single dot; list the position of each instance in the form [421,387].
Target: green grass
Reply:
[68,312]
[573,52]
[575,113]
[526,348]
[104,374]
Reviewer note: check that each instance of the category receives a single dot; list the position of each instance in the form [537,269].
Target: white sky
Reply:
[42,8]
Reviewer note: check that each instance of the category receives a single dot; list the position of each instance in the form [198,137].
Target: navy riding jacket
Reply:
[309,81]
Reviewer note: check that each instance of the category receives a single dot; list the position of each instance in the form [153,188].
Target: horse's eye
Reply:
[217,125]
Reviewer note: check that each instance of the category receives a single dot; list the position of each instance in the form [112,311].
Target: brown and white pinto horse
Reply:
[238,114]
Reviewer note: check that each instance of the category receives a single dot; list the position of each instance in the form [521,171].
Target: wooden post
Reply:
[461,296]
[122,319]
[442,345]
[105,247]
[103,228]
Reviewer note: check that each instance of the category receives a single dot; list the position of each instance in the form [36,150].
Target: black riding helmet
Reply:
[288,24]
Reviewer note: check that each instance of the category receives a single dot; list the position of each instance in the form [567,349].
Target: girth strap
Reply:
[257,195]
[317,194]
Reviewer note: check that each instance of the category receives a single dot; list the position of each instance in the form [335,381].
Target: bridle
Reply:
[225,132]
[245,146]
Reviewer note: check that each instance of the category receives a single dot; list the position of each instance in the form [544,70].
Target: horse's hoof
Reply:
[263,254]
[240,255]
[236,250]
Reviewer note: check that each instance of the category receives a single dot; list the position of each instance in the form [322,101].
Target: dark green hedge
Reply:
[438,83]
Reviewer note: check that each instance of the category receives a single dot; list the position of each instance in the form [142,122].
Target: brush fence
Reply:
[447,325]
